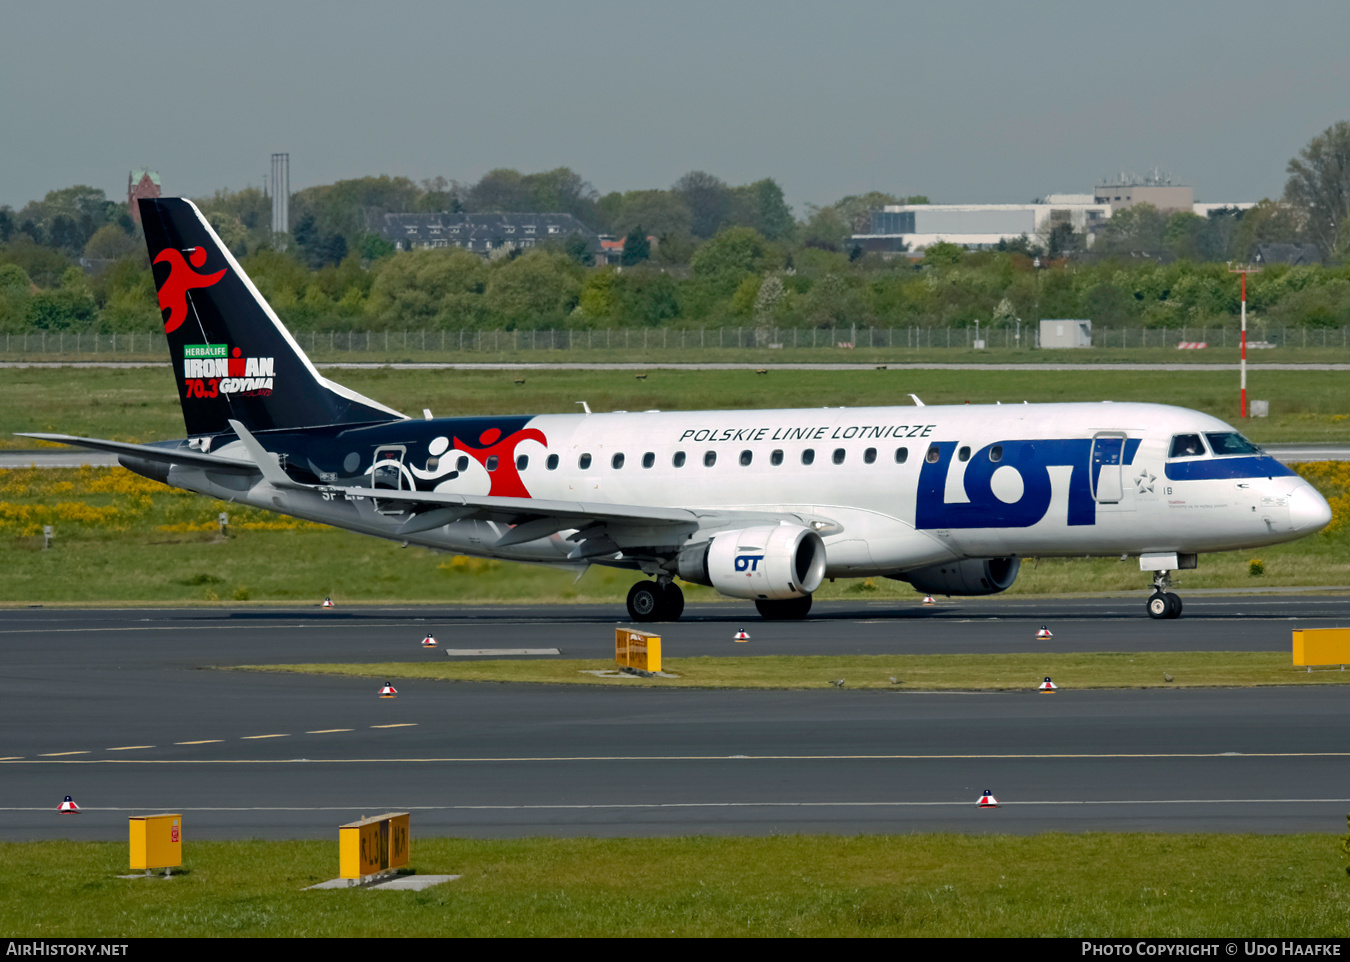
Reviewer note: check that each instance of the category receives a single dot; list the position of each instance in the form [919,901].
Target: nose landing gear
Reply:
[1163,603]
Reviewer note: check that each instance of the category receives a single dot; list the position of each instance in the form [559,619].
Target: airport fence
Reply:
[675,342]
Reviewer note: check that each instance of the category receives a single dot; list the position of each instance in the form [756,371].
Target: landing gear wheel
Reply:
[646,601]
[1158,605]
[788,609]
[674,603]
[1173,605]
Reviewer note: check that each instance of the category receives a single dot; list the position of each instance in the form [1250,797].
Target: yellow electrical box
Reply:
[1322,646]
[374,845]
[156,841]
[637,649]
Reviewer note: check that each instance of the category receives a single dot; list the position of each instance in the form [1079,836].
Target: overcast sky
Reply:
[964,102]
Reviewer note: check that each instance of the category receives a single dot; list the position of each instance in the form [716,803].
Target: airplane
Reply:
[762,505]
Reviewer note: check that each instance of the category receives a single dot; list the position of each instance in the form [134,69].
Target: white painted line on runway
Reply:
[250,737]
[204,741]
[329,731]
[397,725]
[611,806]
[128,748]
[662,759]
[56,754]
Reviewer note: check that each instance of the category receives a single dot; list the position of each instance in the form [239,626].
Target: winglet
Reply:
[265,460]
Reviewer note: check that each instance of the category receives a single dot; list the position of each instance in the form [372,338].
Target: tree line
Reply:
[723,255]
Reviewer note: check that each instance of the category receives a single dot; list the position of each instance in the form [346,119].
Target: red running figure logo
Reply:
[181,279]
[506,480]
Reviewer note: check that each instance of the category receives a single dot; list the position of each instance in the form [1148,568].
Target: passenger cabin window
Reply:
[870,456]
[808,456]
[1186,446]
[1231,443]
[933,454]
[616,462]
[584,462]
[648,459]
[964,453]
[552,462]
[746,458]
[776,458]
[522,462]
[838,456]
[678,460]
[709,459]
[901,455]
[462,464]
[492,462]
[996,453]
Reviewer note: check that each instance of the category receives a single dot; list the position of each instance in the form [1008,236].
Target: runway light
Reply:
[987,800]
[388,691]
[1044,634]
[68,807]
[741,635]
[1048,685]
[328,603]
[428,642]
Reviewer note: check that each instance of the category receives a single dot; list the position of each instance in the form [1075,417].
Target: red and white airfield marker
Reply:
[428,642]
[68,807]
[1044,634]
[388,691]
[928,601]
[1048,685]
[987,800]
[328,603]
[741,635]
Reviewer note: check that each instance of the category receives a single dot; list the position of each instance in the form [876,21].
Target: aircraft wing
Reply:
[149,452]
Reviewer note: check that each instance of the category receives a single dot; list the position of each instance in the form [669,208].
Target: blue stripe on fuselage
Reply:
[1219,469]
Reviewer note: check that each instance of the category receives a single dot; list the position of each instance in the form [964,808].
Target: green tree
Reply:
[943,254]
[1137,228]
[663,213]
[636,247]
[110,242]
[1319,185]
[538,289]
[444,285]
[733,253]
[761,205]
[709,201]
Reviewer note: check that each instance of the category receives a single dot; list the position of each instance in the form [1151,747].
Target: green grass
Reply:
[1020,671]
[142,404]
[903,885]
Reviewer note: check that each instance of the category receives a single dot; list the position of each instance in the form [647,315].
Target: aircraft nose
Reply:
[1308,510]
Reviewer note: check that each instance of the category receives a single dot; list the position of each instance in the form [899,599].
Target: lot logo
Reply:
[1015,490]
[210,370]
[748,562]
[181,279]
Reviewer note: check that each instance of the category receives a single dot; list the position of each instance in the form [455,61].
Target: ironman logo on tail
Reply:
[182,278]
[213,369]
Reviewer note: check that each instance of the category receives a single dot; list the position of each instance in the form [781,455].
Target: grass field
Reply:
[986,672]
[141,404]
[906,885]
[121,538]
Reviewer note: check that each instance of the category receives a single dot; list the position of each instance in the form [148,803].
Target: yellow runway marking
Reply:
[329,731]
[12,758]
[398,725]
[56,754]
[204,741]
[282,735]
[127,748]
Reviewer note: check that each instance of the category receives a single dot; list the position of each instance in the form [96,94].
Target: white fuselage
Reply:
[893,488]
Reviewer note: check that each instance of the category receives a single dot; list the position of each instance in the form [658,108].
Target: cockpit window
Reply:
[1186,446]
[1231,443]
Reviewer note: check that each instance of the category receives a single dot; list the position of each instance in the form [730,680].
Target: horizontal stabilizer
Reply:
[149,452]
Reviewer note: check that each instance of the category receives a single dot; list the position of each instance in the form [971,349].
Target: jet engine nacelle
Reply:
[977,576]
[768,562]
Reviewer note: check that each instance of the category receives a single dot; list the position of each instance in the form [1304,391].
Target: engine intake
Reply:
[976,576]
[762,563]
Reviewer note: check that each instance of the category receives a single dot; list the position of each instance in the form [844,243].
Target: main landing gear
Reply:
[1163,603]
[654,601]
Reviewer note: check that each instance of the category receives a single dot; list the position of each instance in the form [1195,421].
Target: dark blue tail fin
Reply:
[231,356]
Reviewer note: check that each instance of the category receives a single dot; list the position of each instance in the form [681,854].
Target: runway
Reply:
[124,710]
